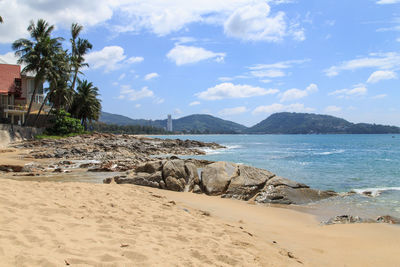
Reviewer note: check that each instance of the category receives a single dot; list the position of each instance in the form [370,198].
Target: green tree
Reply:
[86,106]
[58,91]
[37,54]
[79,47]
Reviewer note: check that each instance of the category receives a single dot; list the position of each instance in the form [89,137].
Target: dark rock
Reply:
[388,219]
[280,190]
[150,167]
[344,219]
[192,176]
[141,178]
[12,168]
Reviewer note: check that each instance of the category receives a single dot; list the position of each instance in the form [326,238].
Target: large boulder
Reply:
[192,176]
[280,190]
[248,182]
[215,177]
[174,168]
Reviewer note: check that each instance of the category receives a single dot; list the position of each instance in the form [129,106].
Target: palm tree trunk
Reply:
[30,104]
[75,77]
[41,107]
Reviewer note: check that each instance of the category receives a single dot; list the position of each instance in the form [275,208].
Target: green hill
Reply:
[198,123]
[304,123]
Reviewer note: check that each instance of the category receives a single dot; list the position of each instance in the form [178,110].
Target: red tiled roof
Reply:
[8,74]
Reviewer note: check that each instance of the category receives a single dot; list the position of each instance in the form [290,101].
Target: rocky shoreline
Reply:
[143,161]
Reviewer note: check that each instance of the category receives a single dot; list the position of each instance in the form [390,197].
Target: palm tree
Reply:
[57,76]
[80,47]
[86,105]
[38,54]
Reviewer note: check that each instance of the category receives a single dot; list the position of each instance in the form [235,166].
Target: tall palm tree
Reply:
[86,106]
[57,77]
[80,47]
[37,54]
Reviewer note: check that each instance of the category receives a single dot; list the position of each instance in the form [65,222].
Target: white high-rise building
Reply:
[169,123]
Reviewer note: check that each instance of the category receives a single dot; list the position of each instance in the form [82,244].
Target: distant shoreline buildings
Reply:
[169,123]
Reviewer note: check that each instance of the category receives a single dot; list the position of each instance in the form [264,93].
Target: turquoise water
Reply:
[335,162]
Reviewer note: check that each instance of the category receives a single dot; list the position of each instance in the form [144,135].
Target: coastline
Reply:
[83,223]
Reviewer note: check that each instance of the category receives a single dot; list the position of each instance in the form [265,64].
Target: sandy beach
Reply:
[82,224]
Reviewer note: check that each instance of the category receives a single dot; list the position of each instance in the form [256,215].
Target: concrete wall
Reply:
[12,133]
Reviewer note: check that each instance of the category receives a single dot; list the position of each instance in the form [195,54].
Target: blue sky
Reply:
[240,60]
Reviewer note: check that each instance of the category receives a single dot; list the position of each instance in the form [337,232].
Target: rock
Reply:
[105,167]
[197,189]
[215,178]
[192,176]
[150,167]
[280,190]
[141,178]
[388,219]
[344,219]
[248,182]
[277,181]
[174,184]
[174,168]
[11,168]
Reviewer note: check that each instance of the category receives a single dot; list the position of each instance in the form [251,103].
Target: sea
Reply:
[343,163]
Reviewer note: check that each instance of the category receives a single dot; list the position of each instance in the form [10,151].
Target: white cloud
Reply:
[230,90]
[381,75]
[138,105]
[381,61]
[132,60]
[110,58]
[9,57]
[293,94]
[194,103]
[379,96]
[333,109]
[158,100]
[244,19]
[253,22]
[268,73]
[151,76]
[127,92]
[182,55]
[177,111]
[357,91]
[385,2]
[232,111]
[280,108]
[122,76]
[274,70]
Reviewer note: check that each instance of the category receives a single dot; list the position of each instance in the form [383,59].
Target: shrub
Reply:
[63,124]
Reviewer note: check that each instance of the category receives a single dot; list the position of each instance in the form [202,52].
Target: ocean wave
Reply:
[338,151]
[374,192]
[233,146]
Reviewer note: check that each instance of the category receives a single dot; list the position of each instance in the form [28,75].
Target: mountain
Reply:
[305,123]
[198,123]
[110,118]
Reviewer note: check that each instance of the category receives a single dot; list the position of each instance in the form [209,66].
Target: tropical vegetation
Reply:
[44,56]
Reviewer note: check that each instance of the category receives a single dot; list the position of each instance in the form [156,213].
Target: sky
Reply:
[239,60]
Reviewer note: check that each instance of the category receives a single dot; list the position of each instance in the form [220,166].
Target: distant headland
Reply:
[278,123]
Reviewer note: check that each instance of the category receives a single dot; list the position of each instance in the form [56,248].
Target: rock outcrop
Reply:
[225,179]
[284,191]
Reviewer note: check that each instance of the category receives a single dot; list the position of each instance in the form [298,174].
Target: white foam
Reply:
[339,151]
[376,191]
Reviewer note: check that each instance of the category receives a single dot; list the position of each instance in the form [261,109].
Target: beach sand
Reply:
[81,224]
